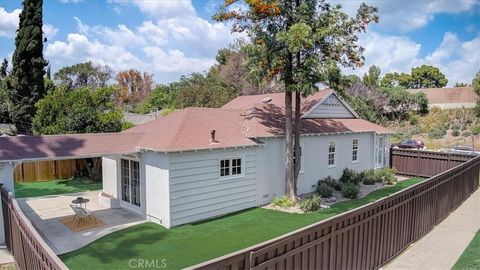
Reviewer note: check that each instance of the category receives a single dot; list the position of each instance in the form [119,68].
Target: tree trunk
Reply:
[290,189]
[94,166]
[296,136]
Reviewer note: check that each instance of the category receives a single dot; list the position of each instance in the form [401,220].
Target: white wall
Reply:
[197,192]
[270,170]
[6,178]
[331,107]
[157,187]
[110,175]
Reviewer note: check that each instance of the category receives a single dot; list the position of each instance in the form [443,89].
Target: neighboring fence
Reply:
[364,238]
[24,243]
[424,163]
[48,170]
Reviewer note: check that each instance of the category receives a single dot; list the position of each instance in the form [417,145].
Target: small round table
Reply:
[80,201]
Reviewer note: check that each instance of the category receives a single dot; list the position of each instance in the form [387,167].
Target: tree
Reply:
[161,98]
[135,86]
[427,77]
[4,69]
[25,84]
[63,111]
[372,78]
[396,79]
[297,42]
[83,75]
[476,88]
[460,84]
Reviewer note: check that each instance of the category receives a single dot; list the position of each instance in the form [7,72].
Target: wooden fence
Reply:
[48,170]
[27,247]
[366,237]
[424,163]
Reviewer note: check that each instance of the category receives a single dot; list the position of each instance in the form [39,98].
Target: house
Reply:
[198,163]
[449,98]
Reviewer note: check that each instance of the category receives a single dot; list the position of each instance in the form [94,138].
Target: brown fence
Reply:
[364,238]
[48,170]
[424,163]
[22,240]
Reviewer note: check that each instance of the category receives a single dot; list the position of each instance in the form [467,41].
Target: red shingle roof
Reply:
[66,146]
[448,95]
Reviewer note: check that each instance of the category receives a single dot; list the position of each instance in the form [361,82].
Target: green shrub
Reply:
[414,120]
[455,126]
[456,133]
[310,203]
[386,175]
[331,182]
[350,177]
[437,133]
[369,177]
[466,134]
[282,202]
[350,191]
[475,129]
[324,190]
[415,130]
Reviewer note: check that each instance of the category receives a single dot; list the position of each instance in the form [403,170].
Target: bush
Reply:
[324,190]
[282,202]
[350,177]
[414,120]
[475,129]
[466,134]
[369,177]
[331,182]
[310,203]
[437,133]
[456,133]
[386,175]
[350,191]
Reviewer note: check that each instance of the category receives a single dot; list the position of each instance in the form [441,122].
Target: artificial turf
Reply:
[194,243]
[470,258]
[55,187]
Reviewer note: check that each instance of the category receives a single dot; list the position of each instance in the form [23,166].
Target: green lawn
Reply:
[470,258]
[35,189]
[190,244]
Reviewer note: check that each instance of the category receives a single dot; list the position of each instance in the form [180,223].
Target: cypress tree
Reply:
[26,83]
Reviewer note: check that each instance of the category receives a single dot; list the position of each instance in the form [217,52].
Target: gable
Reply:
[330,107]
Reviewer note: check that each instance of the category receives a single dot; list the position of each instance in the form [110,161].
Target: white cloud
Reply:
[410,14]
[70,1]
[49,30]
[8,22]
[458,60]
[176,61]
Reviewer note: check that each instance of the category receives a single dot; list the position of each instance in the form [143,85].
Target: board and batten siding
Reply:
[331,107]
[198,192]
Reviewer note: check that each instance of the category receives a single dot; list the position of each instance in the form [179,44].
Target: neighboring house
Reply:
[198,163]
[138,119]
[449,98]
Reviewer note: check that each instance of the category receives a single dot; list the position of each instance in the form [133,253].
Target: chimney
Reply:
[212,136]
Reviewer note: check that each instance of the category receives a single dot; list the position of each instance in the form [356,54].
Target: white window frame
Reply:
[334,155]
[355,150]
[230,167]
[130,176]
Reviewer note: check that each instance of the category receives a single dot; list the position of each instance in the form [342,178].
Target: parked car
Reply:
[410,144]
[463,149]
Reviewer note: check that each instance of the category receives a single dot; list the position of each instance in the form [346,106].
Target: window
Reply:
[131,181]
[331,154]
[231,167]
[355,150]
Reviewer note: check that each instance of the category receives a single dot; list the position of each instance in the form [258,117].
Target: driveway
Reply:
[45,214]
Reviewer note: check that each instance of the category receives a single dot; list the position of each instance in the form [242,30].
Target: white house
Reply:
[198,163]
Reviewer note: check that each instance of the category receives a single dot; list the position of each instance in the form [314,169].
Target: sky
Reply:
[171,38]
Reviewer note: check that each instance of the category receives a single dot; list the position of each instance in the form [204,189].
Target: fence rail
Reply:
[367,237]
[27,247]
[424,163]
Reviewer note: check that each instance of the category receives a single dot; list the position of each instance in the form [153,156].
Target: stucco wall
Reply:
[110,175]
[198,192]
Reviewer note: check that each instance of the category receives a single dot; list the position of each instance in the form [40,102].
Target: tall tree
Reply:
[427,77]
[82,75]
[135,86]
[372,78]
[297,42]
[396,79]
[476,88]
[25,85]
[3,69]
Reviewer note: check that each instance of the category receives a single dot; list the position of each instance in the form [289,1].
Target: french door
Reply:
[131,181]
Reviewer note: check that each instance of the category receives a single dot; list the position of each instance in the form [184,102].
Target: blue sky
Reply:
[170,38]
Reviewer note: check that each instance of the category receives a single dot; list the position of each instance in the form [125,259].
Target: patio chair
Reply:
[82,213]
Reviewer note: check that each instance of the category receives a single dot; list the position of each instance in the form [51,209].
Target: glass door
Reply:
[131,181]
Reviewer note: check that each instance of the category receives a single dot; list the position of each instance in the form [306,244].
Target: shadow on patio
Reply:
[46,212]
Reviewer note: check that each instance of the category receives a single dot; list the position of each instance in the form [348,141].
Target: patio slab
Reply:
[46,212]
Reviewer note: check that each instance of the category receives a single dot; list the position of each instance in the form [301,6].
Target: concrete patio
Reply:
[45,214]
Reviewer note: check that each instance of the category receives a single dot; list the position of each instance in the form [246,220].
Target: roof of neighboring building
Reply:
[449,95]
[138,119]
[66,146]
